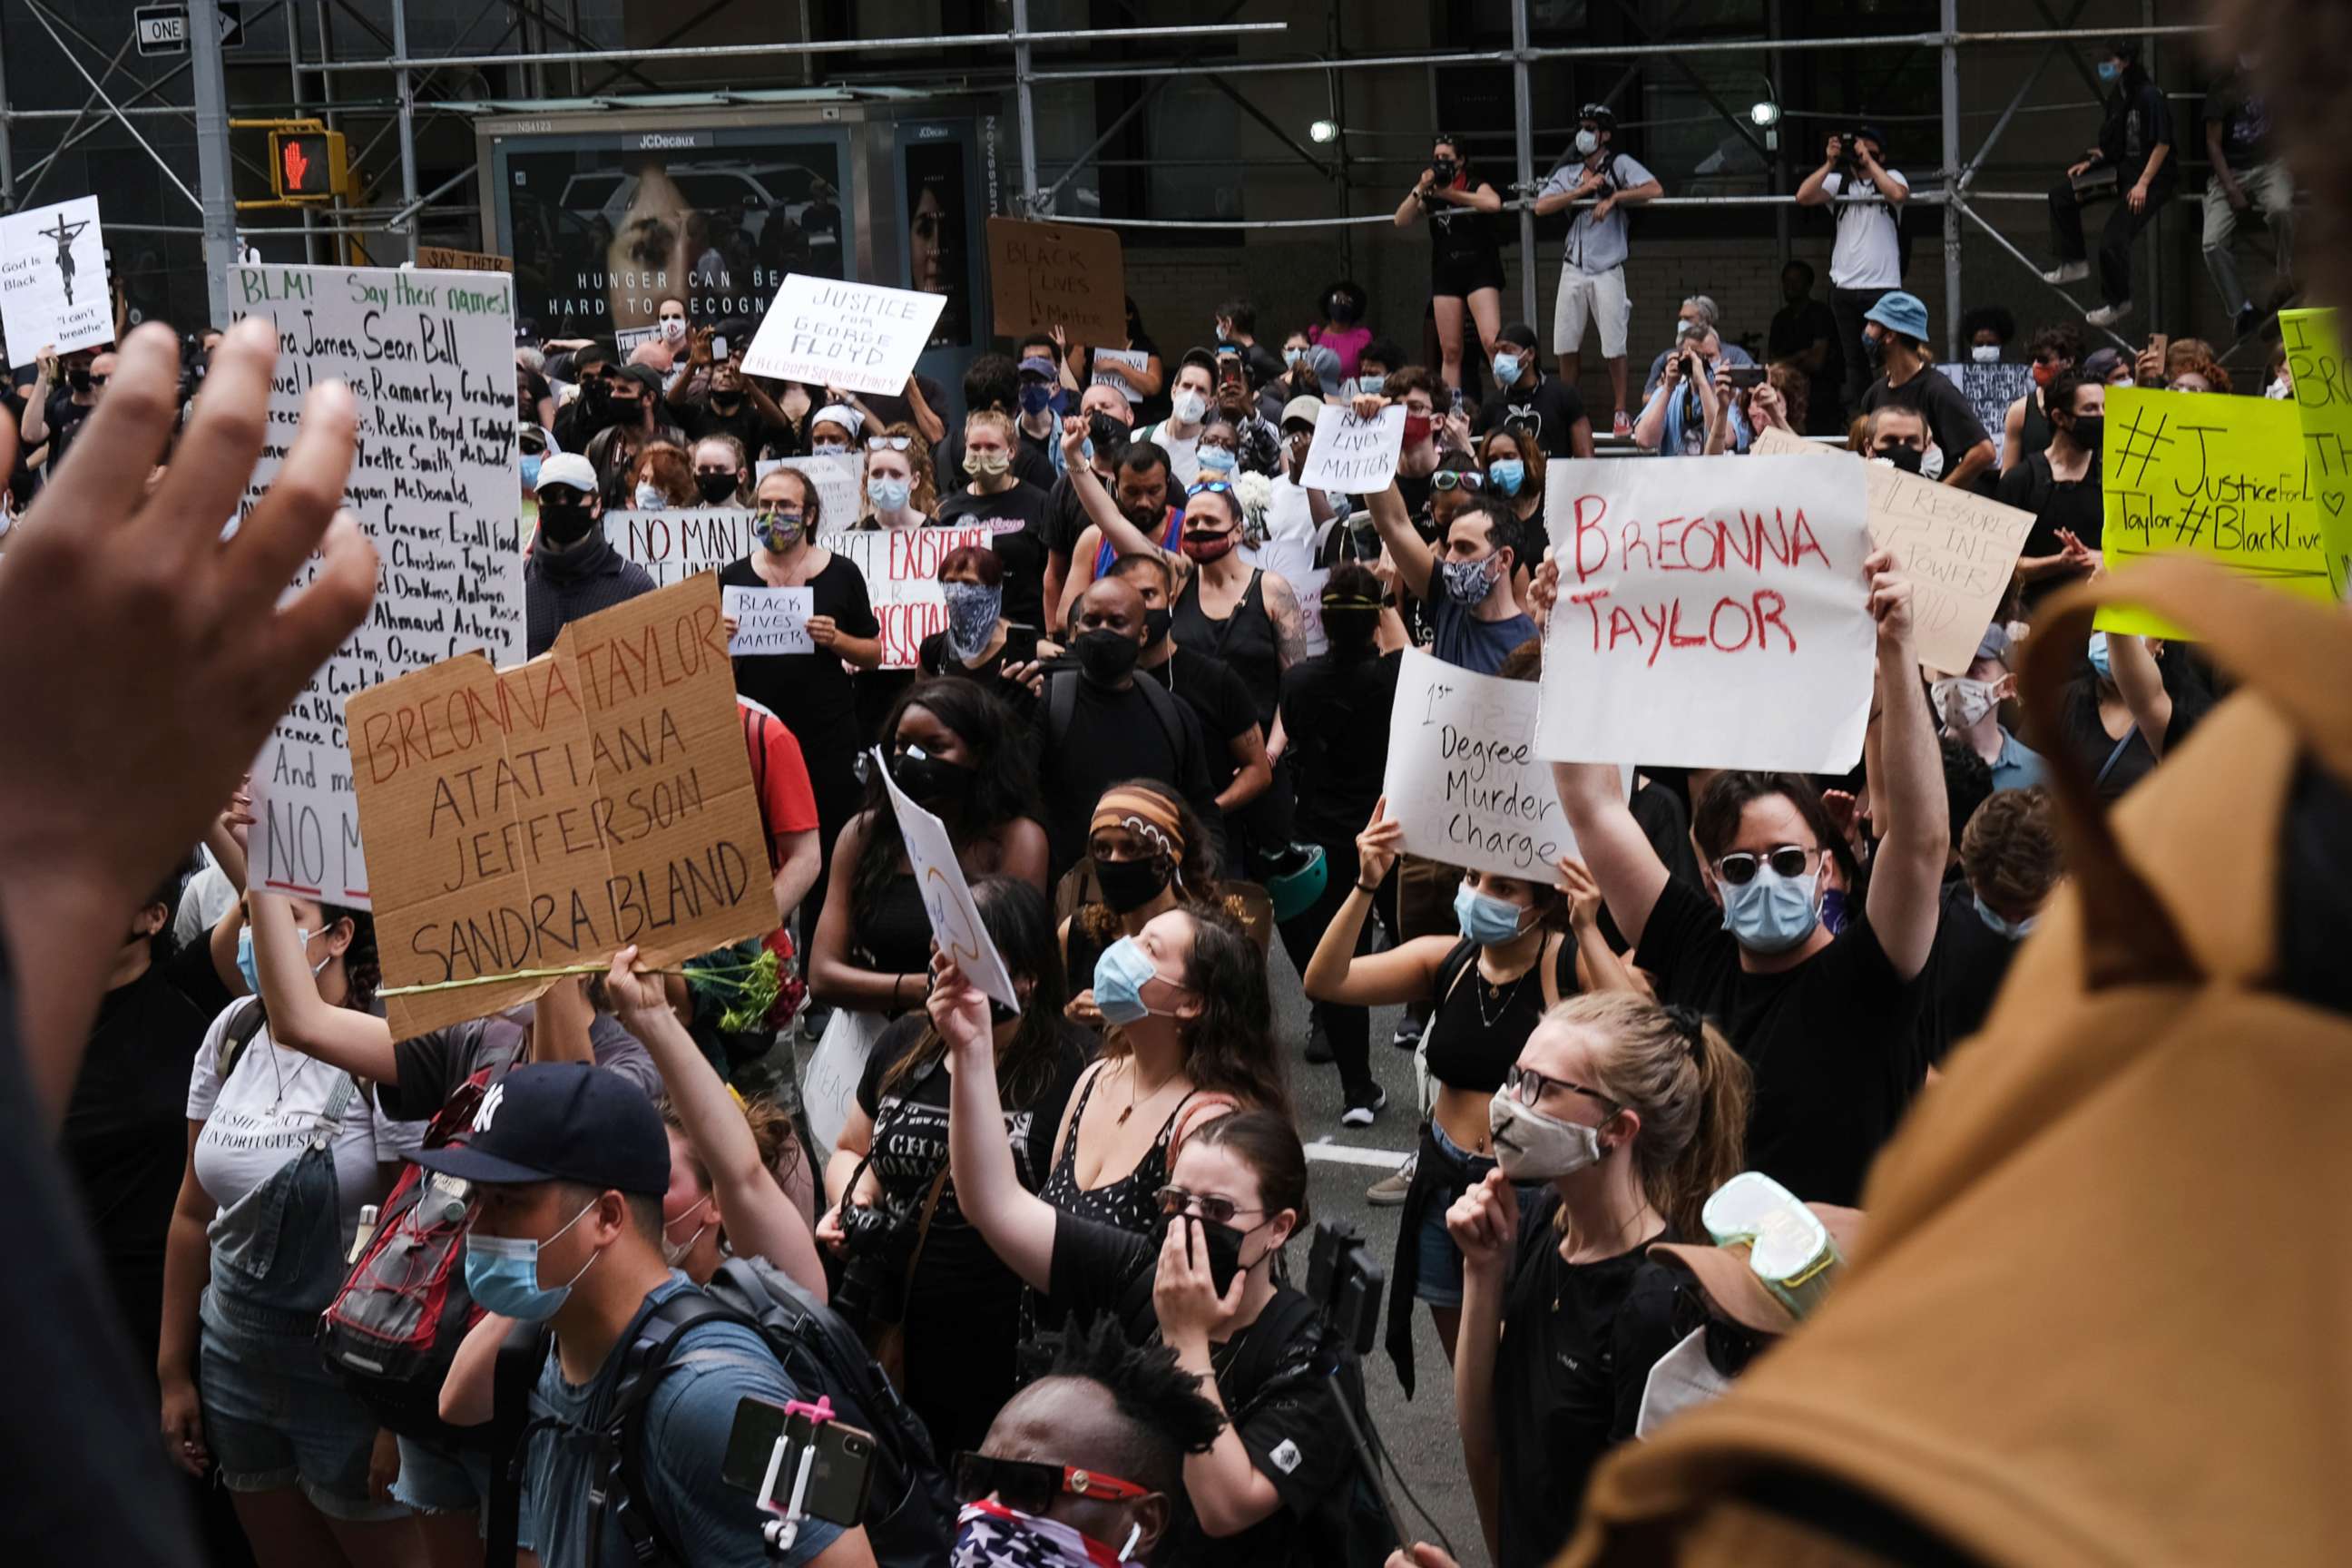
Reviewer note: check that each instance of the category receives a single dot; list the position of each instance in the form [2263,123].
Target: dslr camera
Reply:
[873,1287]
[1443,170]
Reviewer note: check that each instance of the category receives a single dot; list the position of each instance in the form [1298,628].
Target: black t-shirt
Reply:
[65,416]
[1337,716]
[1115,735]
[747,425]
[1578,1340]
[1550,410]
[1019,648]
[2244,119]
[1951,421]
[126,1127]
[1017,521]
[2081,731]
[1965,968]
[1218,698]
[1830,1041]
[1066,517]
[1284,1409]
[810,692]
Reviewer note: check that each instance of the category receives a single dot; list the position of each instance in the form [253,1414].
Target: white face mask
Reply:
[1962,701]
[650,498]
[1587,142]
[674,1252]
[1532,1147]
[1188,406]
[1985,354]
[673,328]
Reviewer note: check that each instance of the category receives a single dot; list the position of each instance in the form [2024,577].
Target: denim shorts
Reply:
[275,1416]
[1440,1284]
[434,1479]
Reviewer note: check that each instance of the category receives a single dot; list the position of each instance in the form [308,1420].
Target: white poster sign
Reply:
[947,897]
[836,476]
[1350,455]
[901,567]
[53,285]
[829,331]
[674,543]
[431,357]
[1713,611]
[1463,775]
[770,620]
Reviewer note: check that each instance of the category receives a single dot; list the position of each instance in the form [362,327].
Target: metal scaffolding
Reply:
[1953,190]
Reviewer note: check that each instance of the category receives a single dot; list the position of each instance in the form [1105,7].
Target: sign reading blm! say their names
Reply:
[1713,611]
[430,357]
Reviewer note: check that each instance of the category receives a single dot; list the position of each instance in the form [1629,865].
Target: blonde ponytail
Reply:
[1690,1089]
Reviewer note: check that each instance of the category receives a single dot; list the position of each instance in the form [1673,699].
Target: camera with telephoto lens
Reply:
[1443,170]
[873,1287]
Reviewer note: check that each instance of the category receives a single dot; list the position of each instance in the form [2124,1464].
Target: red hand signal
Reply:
[296,166]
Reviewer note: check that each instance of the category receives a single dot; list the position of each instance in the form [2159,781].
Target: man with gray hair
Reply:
[1697,317]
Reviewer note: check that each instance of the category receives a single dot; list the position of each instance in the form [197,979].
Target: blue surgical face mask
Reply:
[2099,656]
[650,498]
[1483,918]
[531,470]
[1771,913]
[1294,356]
[247,967]
[888,495]
[2109,71]
[828,449]
[1121,974]
[1217,461]
[1468,583]
[2016,931]
[1507,368]
[1506,475]
[502,1273]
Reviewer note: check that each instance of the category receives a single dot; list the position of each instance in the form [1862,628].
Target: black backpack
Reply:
[910,1512]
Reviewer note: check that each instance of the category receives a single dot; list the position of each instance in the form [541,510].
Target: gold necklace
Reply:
[1134,1076]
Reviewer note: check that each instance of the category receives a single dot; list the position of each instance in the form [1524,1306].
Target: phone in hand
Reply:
[840,1477]
[1741,377]
[719,348]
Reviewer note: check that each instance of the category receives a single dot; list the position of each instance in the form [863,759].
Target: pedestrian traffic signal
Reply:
[306,165]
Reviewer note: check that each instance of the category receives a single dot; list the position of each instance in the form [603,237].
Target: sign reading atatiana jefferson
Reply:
[430,358]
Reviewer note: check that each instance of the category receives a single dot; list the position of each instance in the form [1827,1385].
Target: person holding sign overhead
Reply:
[1520,948]
[1819,1016]
[1473,608]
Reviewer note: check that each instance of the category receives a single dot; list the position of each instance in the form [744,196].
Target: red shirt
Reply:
[778,777]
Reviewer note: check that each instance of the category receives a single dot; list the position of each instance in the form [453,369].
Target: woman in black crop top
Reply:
[1524,946]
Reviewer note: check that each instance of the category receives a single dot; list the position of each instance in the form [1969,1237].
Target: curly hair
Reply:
[1171,1416]
[772,1130]
[362,970]
[1004,788]
[2011,852]
[1195,867]
[1689,1087]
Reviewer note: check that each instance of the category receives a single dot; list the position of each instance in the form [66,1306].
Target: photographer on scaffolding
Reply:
[1866,263]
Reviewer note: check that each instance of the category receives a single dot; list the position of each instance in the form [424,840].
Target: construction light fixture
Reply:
[1324,132]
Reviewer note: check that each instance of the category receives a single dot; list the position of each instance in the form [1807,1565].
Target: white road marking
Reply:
[1351,1154]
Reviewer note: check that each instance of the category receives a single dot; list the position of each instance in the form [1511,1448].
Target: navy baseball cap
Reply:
[560,1121]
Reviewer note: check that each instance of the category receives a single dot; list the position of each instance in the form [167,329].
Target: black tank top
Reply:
[1477,1032]
[1463,235]
[1245,640]
[896,931]
[1129,1203]
[2033,431]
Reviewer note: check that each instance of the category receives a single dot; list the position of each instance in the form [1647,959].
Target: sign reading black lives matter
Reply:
[1354,457]
[53,287]
[430,357]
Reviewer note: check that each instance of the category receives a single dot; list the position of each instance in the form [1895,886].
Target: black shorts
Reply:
[1459,274]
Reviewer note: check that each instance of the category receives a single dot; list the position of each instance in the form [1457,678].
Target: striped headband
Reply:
[1141,812]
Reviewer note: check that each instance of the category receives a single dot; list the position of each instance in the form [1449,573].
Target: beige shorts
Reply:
[1596,298]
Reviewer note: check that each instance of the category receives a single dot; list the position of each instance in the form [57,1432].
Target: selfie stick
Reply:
[779,1533]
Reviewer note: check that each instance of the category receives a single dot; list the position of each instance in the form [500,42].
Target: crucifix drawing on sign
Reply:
[65,233]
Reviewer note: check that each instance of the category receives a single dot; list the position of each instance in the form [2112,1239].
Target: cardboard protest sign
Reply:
[1958,550]
[901,567]
[431,357]
[1044,275]
[2220,477]
[771,620]
[947,897]
[552,813]
[1462,776]
[1352,456]
[442,259]
[2322,407]
[1712,613]
[53,286]
[830,333]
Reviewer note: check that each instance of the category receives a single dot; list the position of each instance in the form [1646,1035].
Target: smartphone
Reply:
[2160,344]
[840,1479]
[717,348]
[1743,376]
[1457,400]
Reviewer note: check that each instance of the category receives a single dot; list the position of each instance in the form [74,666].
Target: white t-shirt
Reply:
[262,1116]
[1868,253]
[207,897]
[1183,454]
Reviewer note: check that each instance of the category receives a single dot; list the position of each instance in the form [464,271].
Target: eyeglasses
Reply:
[1739,868]
[1528,1087]
[1216,1210]
[1457,479]
[1030,1486]
[888,443]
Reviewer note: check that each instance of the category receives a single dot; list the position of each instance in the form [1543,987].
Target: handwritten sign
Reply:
[1712,613]
[53,285]
[675,543]
[1957,549]
[1991,389]
[1044,275]
[1120,368]
[441,258]
[830,333]
[1462,776]
[2323,405]
[947,897]
[771,620]
[2220,478]
[901,567]
[552,813]
[838,476]
[1774,442]
[431,357]
[1352,456]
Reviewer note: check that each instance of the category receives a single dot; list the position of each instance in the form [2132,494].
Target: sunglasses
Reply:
[1457,479]
[1211,487]
[1174,1201]
[1030,1486]
[888,443]
[1528,1087]
[1740,865]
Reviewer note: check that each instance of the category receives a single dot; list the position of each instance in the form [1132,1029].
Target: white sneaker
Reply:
[2067,272]
[2108,315]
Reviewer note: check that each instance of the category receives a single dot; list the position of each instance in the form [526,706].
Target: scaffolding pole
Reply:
[1523,146]
[401,87]
[1025,109]
[219,202]
[1951,66]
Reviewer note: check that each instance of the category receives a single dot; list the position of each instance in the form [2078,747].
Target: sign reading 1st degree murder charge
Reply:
[430,357]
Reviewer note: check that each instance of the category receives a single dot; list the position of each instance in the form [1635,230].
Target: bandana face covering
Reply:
[991,1535]
[972,610]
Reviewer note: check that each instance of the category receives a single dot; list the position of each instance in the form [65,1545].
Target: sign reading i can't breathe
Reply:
[829,333]
[53,286]
[1713,611]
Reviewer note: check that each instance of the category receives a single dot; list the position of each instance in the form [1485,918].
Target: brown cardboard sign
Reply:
[448,261]
[1041,275]
[550,814]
